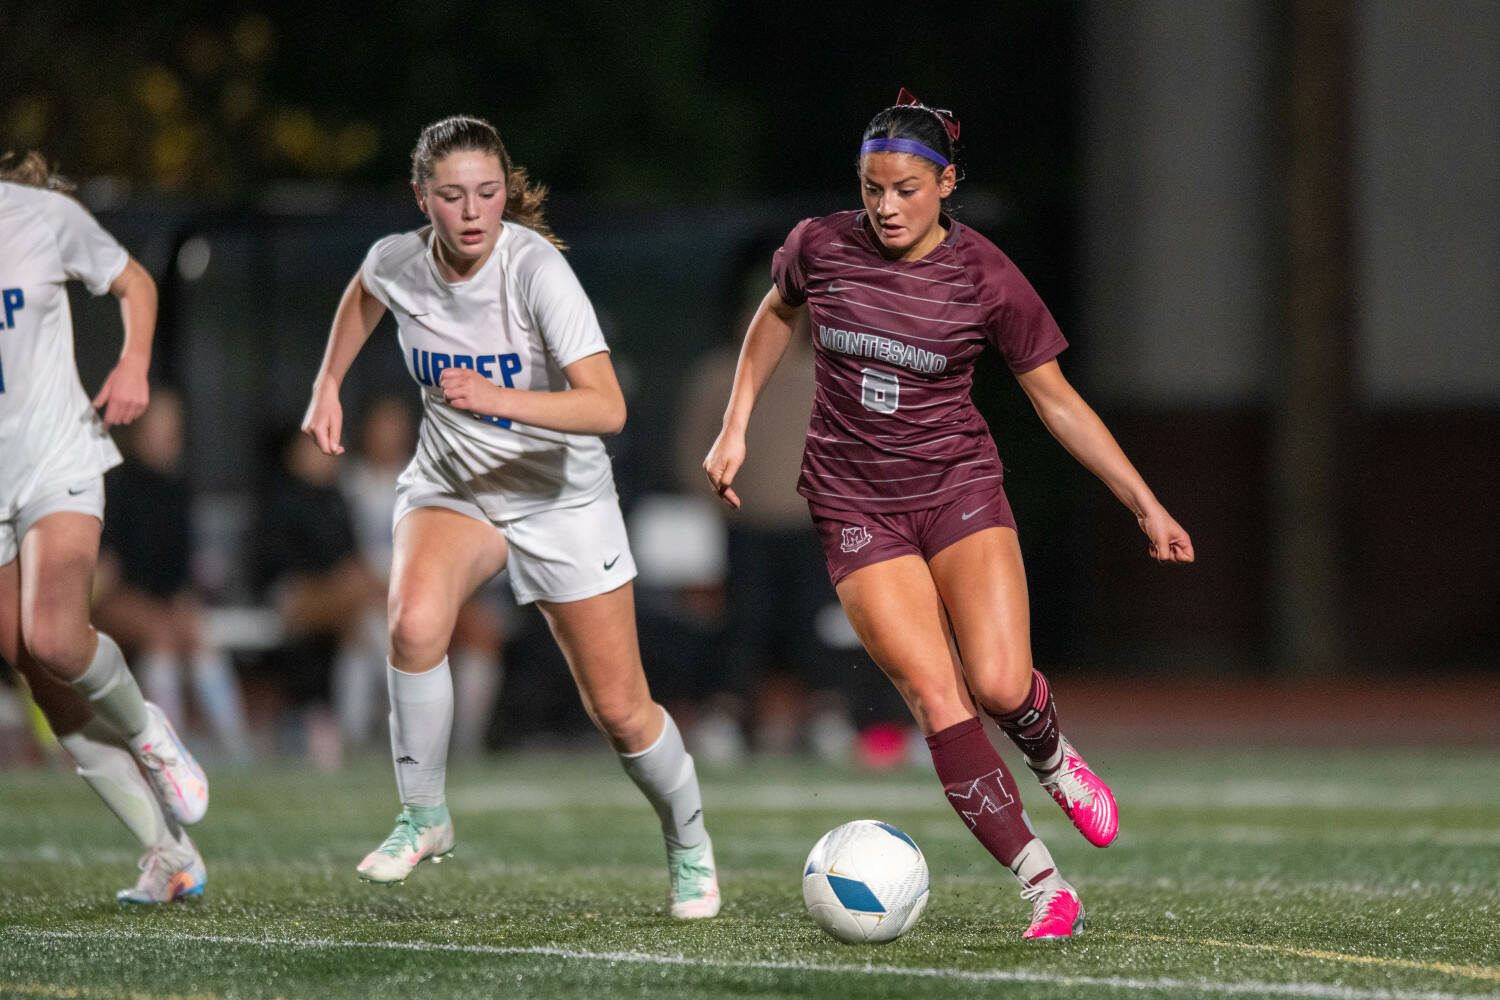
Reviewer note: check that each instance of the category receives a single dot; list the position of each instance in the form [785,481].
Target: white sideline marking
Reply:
[1320,990]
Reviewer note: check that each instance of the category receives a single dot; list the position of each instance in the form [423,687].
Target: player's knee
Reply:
[999,692]
[417,629]
[626,722]
[61,646]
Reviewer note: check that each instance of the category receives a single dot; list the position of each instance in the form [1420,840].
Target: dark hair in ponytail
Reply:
[465,134]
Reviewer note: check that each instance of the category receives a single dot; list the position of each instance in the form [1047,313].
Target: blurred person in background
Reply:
[307,566]
[54,450]
[144,593]
[387,437]
[903,479]
[509,472]
[776,676]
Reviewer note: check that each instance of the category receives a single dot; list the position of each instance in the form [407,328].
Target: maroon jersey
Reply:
[893,427]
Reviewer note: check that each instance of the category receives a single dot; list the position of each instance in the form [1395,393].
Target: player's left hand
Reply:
[1169,542]
[124,394]
[469,390]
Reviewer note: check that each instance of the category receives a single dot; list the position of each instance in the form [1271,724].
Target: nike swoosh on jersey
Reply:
[611,563]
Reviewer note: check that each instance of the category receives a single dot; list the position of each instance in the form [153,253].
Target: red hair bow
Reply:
[950,123]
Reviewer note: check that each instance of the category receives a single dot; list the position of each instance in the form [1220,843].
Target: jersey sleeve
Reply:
[1020,326]
[88,252]
[787,267]
[370,271]
[562,310]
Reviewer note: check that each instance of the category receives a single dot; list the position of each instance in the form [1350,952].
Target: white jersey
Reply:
[518,321]
[49,434]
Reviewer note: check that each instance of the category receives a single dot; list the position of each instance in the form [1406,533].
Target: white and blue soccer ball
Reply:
[865,881]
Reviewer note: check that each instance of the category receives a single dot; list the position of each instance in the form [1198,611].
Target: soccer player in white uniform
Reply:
[517,386]
[54,450]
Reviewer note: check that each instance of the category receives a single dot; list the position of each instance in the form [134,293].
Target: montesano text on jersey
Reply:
[893,427]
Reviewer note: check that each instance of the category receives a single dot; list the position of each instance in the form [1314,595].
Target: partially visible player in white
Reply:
[54,450]
[517,387]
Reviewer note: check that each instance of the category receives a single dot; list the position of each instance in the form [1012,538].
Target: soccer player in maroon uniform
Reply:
[904,482]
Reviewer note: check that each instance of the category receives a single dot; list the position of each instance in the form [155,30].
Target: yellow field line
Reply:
[1486,972]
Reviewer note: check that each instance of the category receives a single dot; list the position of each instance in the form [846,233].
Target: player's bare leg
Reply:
[597,636]
[441,557]
[55,569]
[983,585]
[898,615]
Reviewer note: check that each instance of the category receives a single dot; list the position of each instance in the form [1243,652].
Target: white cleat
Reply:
[695,881]
[173,772]
[423,833]
[168,873]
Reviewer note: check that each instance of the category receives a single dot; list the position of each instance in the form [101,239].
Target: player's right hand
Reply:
[324,421]
[723,461]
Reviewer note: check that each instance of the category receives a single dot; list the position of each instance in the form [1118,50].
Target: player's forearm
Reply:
[766,342]
[1078,429]
[357,314]
[137,296]
[569,411]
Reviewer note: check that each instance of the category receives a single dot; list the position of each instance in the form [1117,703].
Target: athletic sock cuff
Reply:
[956,732]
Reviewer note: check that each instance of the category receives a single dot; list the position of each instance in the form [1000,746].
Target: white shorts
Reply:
[86,496]
[562,554]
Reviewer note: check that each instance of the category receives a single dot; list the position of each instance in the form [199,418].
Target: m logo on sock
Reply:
[985,794]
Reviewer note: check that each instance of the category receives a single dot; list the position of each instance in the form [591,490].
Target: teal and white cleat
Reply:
[168,873]
[423,833]
[172,771]
[695,881]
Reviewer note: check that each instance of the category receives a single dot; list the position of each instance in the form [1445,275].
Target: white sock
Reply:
[421,723]
[108,686]
[111,771]
[1035,865]
[476,679]
[218,691]
[160,679]
[664,772]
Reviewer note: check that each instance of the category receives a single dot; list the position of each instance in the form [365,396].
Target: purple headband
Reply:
[901,146]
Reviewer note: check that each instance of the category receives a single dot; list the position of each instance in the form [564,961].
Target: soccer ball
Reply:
[865,881]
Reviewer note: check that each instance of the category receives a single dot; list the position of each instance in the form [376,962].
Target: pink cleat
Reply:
[1084,796]
[1056,912]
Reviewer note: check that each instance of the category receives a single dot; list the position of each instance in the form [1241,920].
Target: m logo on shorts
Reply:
[856,538]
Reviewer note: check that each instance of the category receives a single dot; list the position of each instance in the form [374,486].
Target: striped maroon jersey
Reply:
[893,427]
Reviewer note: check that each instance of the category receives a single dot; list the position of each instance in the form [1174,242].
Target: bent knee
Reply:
[1001,692]
[627,724]
[418,629]
[63,649]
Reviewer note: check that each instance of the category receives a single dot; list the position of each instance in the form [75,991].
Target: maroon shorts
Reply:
[854,539]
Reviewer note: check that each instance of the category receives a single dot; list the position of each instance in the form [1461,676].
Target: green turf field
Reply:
[1360,875]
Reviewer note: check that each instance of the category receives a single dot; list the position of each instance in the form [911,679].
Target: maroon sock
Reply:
[1033,724]
[980,789]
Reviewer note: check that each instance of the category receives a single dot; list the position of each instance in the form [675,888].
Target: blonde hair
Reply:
[465,134]
[30,168]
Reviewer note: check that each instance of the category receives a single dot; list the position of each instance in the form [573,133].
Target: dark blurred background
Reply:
[1269,231]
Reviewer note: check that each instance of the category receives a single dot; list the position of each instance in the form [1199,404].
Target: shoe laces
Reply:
[1067,781]
[1041,897]
[404,837]
[690,876]
[156,870]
